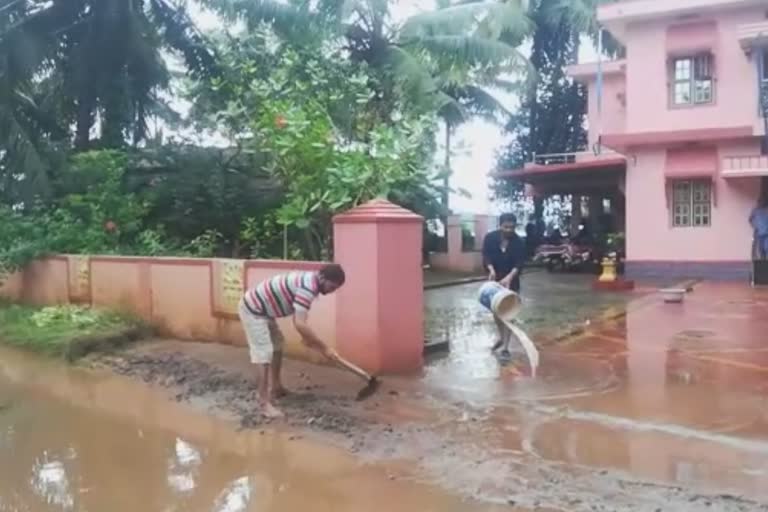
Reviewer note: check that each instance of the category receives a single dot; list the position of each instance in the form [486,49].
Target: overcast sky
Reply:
[474,145]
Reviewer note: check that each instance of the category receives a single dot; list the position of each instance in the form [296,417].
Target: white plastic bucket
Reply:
[506,305]
[500,301]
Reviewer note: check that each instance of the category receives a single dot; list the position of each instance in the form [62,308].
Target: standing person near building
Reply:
[282,296]
[531,240]
[504,255]
[759,221]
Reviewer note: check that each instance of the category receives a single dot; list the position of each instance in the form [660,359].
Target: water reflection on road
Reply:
[72,440]
[666,393]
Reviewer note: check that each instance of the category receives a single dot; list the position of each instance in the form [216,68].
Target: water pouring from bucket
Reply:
[506,305]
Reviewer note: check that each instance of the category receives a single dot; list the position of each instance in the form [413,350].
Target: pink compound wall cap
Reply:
[377,210]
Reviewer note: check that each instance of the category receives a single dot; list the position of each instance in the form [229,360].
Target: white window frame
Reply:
[691,203]
[692,73]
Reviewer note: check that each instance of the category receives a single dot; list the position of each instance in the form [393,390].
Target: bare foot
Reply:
[280,392]
[270,411]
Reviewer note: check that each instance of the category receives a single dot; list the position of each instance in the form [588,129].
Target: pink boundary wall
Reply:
[455,259]
[375,320]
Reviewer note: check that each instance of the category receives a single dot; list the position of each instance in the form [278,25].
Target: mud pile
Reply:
[193,380]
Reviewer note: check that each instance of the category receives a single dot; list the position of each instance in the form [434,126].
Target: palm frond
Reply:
[41,119]
[581,16]
[471,51]
[451,110]
[510,24]
[480,101]
[181,34]
[23,163]
[285,18]
[411,75]
[487,18]
[507,85]
[471,100]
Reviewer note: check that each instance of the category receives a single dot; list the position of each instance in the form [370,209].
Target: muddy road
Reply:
[494,455]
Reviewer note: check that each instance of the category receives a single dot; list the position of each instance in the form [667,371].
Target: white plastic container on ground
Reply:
[673,295]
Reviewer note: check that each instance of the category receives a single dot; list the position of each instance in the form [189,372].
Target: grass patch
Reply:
[66,331]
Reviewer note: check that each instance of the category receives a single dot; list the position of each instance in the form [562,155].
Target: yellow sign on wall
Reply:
[230,287]
[79,278]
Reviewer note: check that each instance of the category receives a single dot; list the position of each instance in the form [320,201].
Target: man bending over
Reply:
[281,296]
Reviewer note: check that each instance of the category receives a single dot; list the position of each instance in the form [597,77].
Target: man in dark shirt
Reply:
[504,257]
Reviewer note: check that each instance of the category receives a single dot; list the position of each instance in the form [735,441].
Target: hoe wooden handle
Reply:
[336,358]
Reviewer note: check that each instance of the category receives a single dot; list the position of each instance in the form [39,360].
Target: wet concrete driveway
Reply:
[555,304]
[671,394]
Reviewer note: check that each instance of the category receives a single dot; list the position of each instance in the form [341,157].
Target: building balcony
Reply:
[579,157]
[571,173]
[744,166]
[753,35]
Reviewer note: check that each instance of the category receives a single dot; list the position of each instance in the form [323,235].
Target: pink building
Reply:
[677,135]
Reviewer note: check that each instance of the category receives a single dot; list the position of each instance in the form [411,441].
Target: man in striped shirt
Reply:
[282,296]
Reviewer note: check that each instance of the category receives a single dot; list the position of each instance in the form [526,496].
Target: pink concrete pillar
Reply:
[380,309]
[453,239]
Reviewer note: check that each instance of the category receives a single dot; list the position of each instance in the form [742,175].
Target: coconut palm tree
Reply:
[104,58]
[113,67]
[26,127]
[95,65]
[408,56]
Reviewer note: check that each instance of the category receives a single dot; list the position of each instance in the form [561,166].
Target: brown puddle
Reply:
[72,439]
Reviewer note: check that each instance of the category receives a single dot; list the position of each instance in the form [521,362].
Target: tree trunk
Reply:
[313,252]
[84,122]
[447,178]
[285,242]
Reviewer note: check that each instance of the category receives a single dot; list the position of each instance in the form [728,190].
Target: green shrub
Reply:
[68,331]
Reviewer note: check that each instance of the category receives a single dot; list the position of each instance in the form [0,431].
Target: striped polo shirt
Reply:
[283,295]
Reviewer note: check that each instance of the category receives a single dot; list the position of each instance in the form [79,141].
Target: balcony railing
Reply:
[752,35]
[554,159]
[573,157]
[745,166]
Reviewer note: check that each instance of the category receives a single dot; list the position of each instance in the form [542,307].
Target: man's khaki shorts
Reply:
[263,335]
